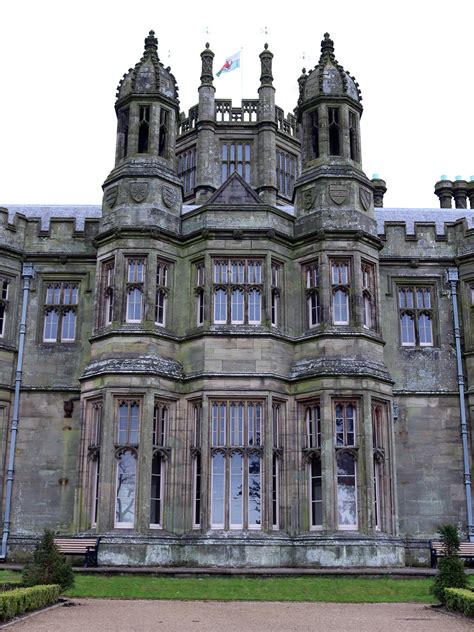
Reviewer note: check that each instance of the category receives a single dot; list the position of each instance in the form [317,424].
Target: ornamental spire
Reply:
[207,57]
[266,57]
[151,43]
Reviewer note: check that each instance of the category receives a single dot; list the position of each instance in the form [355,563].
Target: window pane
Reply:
[236,491]
[408,330]
[254,490]
[425,330]
[155,496]
[68,331]
[237,306]
[346,492]
[217,497]
[316,493]
[51,320]
[125,491]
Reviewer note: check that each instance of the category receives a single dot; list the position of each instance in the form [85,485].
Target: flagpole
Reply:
[241,76]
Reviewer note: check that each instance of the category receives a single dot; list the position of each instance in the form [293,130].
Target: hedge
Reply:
[460,599]
[20,600]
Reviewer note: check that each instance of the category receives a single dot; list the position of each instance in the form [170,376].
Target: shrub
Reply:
[460,600]
[450,568]
[20,600]
[49,566]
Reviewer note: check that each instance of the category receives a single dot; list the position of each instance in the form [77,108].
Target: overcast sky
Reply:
[61,62]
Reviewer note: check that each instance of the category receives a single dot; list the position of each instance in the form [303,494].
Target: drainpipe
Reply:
[27,274]
[453,279]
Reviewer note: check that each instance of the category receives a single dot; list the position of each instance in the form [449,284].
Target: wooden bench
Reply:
[89,547]
[466,551]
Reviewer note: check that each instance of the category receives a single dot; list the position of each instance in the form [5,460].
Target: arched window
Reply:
[220,306]
[316,492]
[156,496]
[125,489]
[68,329]
[237,307]
[334,132]
[255,307]
[134,305]
[51,321]
[416,316]
[425,330]
[340,306]
[346,491]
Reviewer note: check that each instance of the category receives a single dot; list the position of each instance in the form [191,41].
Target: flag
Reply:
[231,63]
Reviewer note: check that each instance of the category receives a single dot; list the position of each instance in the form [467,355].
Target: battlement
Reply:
[226,113]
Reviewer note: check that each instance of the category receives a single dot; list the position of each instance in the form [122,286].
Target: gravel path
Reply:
[105,615]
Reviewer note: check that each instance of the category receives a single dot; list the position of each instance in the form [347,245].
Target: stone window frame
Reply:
[369,295]
[94,420]
[163,282]
[137,283]
[160,457]
[60,308]
[309,414]
[231,284]
[381,448]
[195,415]
[5,302]
[286,172]
[199,273]
[186,168]
[341,285]
[124,448]
[278,412]
[221,445]
[416,311]
[348,449]
[276,269]
[229,158]
[107,291]
[313,293]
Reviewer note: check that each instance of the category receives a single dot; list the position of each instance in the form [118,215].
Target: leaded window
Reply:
[187,169]
[94,439]
[4,290]
[354,137]
[143,128]
[162,292]
[340,281]
[346,470]
[334,126]
[60,312]
[276,294]
[160,455]
[368,296]
[345,417]
[235,156]
[126,454]
[286,172]
[135,289]
[196,454]
[200,292]
[236,464]
[311,273]
[107,291]
[416,315]
[238,291]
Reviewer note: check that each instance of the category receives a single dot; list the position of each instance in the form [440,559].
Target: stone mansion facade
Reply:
[242,358]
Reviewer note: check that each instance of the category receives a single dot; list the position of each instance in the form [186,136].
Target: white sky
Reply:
[61,62]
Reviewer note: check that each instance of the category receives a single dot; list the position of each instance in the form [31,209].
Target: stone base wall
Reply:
[233,552]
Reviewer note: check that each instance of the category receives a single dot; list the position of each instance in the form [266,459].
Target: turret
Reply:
[143,188]
[329,111]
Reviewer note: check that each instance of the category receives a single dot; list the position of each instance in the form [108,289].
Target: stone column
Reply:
[206,124]
[266,124]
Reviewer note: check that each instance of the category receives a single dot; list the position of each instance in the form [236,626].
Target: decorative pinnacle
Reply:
[151,43]
[327,45]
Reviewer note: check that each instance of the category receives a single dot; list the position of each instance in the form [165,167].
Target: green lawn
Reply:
[336,589]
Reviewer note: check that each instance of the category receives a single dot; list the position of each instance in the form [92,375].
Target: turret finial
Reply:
[327,45]
[207,57]
[266,76]
[151,43]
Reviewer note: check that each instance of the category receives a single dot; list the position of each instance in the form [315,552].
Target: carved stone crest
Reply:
[365,198]
[308,199]
[169,196]
[338,193]
[139,191]
[111,196]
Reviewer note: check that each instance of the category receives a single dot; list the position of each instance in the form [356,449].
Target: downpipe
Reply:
[27,274]
[453,279]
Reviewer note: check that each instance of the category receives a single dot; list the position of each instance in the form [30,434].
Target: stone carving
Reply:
[308,198]
[139,191]
[169,196]
[365,198]
[111,196]
[338,193]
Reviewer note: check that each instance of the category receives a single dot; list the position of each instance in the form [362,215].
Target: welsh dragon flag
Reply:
[231,63]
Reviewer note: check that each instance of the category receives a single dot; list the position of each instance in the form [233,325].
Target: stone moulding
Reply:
[340,366]
[154,365]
